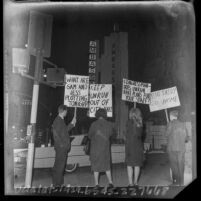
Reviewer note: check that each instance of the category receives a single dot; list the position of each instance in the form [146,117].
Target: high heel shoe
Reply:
[110,185]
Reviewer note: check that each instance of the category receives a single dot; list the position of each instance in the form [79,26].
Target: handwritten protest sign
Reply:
[76,91]
[138,92]
[100,97]
[164,99]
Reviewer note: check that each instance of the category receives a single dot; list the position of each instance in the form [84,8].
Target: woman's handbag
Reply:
[87,146]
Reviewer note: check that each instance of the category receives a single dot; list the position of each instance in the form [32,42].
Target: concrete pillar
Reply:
[123,48]
[120,42]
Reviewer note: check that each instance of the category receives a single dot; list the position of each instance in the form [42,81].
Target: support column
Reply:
[31,146]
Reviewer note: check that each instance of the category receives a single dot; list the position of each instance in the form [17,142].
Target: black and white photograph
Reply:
[99,98]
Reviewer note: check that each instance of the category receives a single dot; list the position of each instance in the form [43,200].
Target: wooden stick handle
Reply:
[134,104]
[75,113]
[166,113]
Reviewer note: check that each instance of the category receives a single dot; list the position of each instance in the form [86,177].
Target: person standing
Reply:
[133,145]
[177,136]
[61,144]
[100,151]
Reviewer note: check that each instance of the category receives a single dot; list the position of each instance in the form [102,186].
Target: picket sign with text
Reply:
[163,99]
[76,91]
[137,92]
[100,97]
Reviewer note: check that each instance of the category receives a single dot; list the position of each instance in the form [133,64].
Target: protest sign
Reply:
[76,91]
[164,99]
[100,97]
[138,92]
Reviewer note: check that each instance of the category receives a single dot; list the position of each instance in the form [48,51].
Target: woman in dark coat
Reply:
[100,153]
[134,145]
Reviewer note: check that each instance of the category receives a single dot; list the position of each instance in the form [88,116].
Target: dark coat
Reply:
[61,133]
[133,145]
[100,151]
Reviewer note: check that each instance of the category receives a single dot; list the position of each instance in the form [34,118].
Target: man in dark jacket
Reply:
[61,144]
[177,137]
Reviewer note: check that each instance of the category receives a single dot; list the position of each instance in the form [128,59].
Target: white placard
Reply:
[164,99]
[20,60]
[76,91]
[138,92]
[100,97]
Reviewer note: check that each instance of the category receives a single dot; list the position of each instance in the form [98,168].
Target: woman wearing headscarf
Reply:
[134,145]
[100,152]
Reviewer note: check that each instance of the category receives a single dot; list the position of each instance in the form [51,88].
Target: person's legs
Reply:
[177,171]
[181,161]
[130,174]
[96,177]
[137,173]
[173,164]
[59,166]
[109,176]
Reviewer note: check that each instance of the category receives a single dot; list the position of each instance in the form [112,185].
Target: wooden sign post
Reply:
[166,113]
[134,105]
[75,113]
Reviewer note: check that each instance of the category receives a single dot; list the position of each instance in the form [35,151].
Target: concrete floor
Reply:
[154,172]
